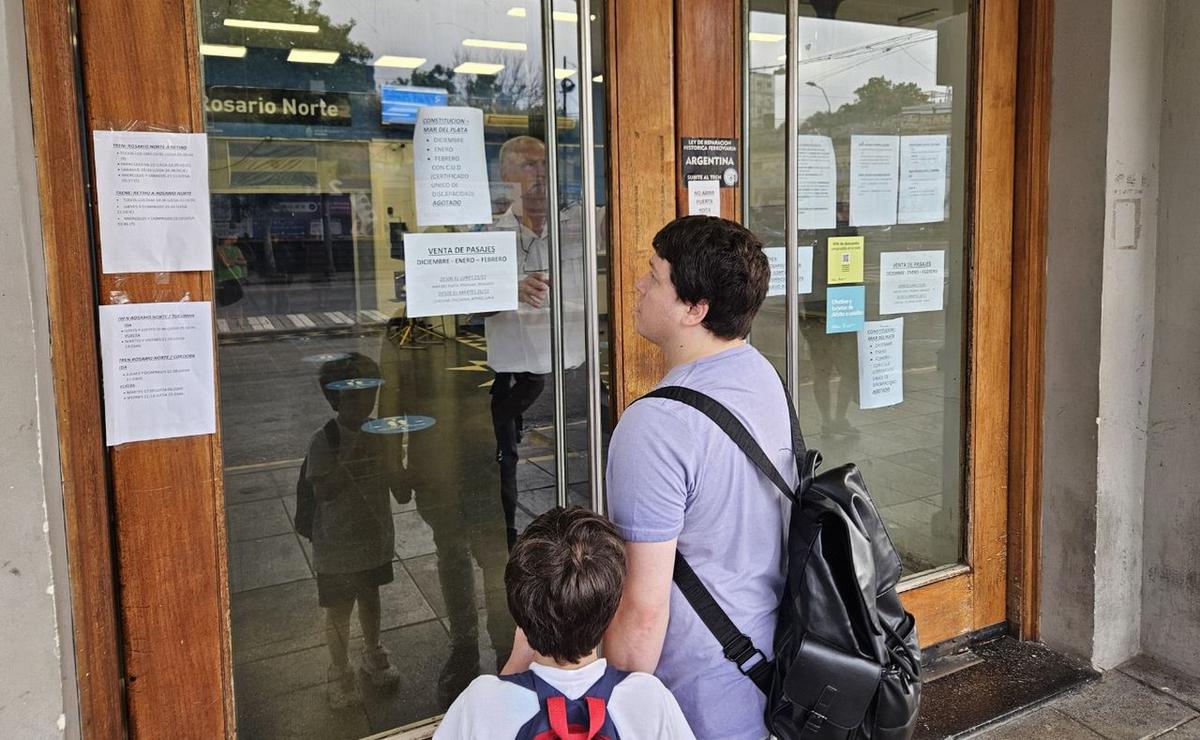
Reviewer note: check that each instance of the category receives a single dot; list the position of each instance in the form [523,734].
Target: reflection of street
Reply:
[900,448]
[270,408]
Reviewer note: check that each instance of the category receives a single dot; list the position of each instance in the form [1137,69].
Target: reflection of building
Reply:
[762,101]
[305,171]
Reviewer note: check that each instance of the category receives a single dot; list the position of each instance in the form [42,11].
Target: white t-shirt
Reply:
[519,341]
[640,706]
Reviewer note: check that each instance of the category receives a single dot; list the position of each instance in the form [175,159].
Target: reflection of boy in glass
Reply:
[519,341]
[353,538]
[829,351]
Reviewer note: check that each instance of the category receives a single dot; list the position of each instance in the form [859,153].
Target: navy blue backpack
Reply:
[560,718]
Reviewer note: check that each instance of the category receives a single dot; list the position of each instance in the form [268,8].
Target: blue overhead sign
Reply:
[400,103]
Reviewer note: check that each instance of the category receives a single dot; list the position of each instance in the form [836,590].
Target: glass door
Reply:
[409,245]
[867,126]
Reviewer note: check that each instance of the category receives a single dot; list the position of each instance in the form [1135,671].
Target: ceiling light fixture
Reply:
[389,60]
[271,25]
[562,16]
[223,50]
[489,44]
[478,68]
[313,56]
[767,38]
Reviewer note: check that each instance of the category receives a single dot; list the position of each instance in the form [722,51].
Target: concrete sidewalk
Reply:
[1141,699]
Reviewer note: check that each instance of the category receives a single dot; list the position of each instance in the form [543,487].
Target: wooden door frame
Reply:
[159,642]
[999,584]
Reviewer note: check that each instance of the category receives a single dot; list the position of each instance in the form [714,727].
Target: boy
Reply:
[564,581]
[352,532]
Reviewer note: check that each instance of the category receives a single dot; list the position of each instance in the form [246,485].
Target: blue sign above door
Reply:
[400,103]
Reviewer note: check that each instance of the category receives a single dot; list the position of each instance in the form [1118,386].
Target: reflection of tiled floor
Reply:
[271,405]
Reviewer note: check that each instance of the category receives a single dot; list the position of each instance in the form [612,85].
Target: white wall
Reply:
[37,688]
[1171,587]
[1074,274]
[1126,322]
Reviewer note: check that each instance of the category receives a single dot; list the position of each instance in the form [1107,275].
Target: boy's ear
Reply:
[696,313]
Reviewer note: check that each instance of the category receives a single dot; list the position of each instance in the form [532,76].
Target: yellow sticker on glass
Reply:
[845,259]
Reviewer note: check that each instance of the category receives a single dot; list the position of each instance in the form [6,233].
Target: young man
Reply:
[564,580]
[675,480]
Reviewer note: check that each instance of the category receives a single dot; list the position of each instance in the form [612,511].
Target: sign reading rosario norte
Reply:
[230,104]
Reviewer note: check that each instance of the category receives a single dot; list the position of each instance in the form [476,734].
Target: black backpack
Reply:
[306,503]
[847,661]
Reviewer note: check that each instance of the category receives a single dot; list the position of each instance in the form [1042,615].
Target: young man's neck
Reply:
[551,662]
[682,350]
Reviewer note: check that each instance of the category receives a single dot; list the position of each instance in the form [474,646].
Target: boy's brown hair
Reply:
[564,577]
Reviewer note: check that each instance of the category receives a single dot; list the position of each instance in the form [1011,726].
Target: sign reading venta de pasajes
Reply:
[267,105]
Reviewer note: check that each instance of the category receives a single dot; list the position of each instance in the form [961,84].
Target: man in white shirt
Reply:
[564,581]
[518,341]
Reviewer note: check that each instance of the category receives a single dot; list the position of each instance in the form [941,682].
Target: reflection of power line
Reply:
[834,72]
[871,46]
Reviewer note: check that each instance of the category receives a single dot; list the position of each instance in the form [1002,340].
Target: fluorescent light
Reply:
[478,68]
[768,38]
[388,60]
[222,50]
[271,26]
[781,58]
[489,44]
[562,16]
[598,78]
[562,74]
[313,56]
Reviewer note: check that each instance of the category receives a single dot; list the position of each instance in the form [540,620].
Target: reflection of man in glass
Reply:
[519,341]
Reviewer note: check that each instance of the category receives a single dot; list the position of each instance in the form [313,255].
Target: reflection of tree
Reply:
[331,36]
[516,89]
[878,103]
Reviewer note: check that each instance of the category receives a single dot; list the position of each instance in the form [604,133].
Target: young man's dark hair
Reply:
[719,261]
[564,577]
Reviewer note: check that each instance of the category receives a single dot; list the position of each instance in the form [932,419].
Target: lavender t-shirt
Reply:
[673,473]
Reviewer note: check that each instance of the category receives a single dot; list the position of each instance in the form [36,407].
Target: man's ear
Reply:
[696,313]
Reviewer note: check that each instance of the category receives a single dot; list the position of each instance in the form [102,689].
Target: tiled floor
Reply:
[1141,699]
[271,407]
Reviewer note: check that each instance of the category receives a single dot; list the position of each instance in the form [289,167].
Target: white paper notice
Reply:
[152,195]
[704,197]
[158,370]
[922,179]
[816,186]
[450,167]
[461,273]
[874,180]
[880,364]
[911,282]
[776,257]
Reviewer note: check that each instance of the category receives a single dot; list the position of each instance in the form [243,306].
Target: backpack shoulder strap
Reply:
[736,645]
[333,435]
[732,427]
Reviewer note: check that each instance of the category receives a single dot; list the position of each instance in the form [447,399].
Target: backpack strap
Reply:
[735,644]
[734,428]
[554,707]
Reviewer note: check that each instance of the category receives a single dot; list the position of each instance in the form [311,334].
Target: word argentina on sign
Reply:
[265,105]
